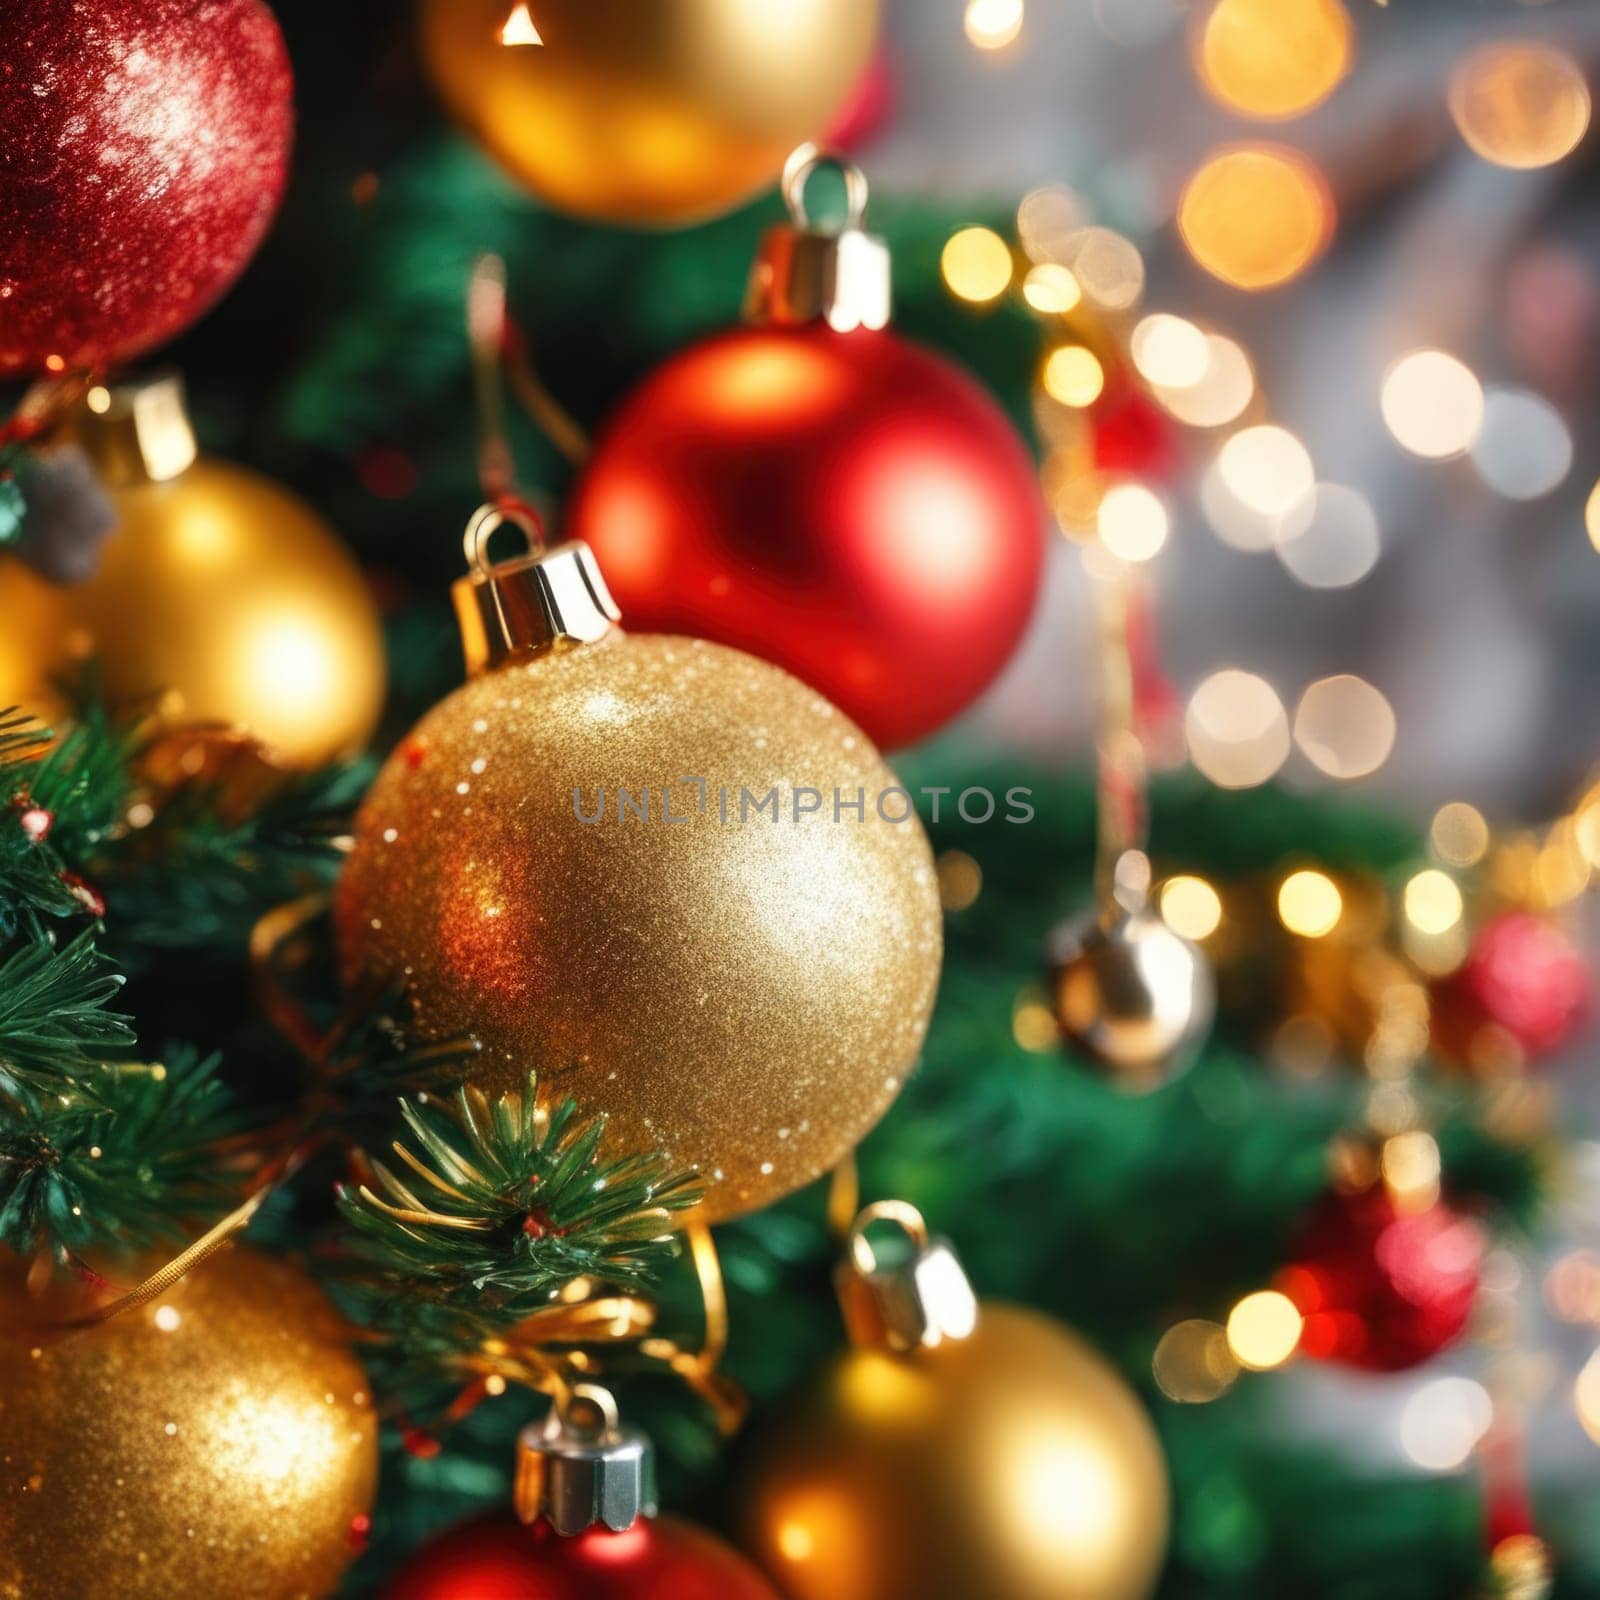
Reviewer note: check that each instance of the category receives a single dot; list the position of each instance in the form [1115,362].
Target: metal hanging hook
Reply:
[807,159]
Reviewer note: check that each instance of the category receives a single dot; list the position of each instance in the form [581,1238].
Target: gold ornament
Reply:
[618,859]
[219,592]
[648,112]
[216,1442]
[970,1451]
[1131,995]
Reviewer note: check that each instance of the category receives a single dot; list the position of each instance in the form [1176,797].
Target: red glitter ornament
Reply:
[144,146]
[818,491]
[1379,1287]
[1524,980]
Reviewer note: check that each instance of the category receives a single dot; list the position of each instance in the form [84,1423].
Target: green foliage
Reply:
[55,1030]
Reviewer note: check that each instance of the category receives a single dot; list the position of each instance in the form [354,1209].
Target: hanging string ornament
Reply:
[220,597]
[957,1448]
[216,1439]
[654,115]
[817,490]
[669,875]
[584,1524]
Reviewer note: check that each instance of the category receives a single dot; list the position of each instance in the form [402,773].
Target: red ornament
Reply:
[144,146]
[1379,1287]
[658,1558]
[1132,435]
[816,490]
[1522,977]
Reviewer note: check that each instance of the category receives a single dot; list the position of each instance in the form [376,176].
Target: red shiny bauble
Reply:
[144,146]
[1524,977]
[847,505]
[1379,1287]
[658,1558]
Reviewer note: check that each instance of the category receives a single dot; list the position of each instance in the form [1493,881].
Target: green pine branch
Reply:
[55,1029]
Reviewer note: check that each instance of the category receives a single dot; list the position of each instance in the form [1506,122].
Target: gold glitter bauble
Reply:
[1014,1464]
[217,1443]
[742,990]
[219,592]
[646,111]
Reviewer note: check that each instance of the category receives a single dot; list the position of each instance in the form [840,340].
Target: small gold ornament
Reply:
[219,592]
[1131,995]
[646,111]
[959,1449]
[657,870]
[216,1442]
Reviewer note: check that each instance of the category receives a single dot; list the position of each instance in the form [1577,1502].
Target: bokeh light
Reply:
[1049,219]
[1132,522]
[1520,103]
[1073,375]
[1256,216]
[1443,1421]
[1591,516]
[1432,902]
[1193,1364]
[1266,469]
[960,880]
[1236,728]
[1221,393]
[1586,1396]
[1344,726]
[1264,1330]
[1274,59]
[1108,267]
[976,264]
[1524,449]
[993,24]
[1309,903]
[1170,351]
[1459,834]
[1190,906]
[1050,288]
[1330,540]
[1433,404]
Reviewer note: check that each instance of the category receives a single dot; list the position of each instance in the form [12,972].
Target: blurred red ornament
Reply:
[144,146]
[870,106]
[1524,978]
[497,1558]
[1379,1287]
[847,505]
[1133,435]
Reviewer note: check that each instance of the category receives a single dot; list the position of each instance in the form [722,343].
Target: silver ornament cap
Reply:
[917,1301]
[581,1468]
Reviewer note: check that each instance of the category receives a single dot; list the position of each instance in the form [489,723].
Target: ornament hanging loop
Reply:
[919,1302]
[804,162]
[581,1467]
[489,519]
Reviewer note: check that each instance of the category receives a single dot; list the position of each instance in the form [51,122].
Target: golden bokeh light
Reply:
[1586,1395]
[1108,267]
[1410,1166]
[1274,59]
[1236,728]
[1073,375]
[1344,726]
[1520,103]
[1190,906]
[1309,903]
[993,24]
[1433,404]
[1267,470]
[1221,393]
[1459,834]
[976,265]
[1132,522]
[1170,351]
[1591,516]
[1432,902]
[960,880]
[1256,216]
[1264,1330]
[1193,1364]
[1050,288]
[1033,1023]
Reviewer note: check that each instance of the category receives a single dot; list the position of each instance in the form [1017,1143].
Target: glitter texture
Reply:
[747,995]
[218,1442]
[144,147]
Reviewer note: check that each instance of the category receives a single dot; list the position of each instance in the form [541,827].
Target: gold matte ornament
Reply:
[658,871]
[967,1450]
[220,596]
[218,1442]
[653,112]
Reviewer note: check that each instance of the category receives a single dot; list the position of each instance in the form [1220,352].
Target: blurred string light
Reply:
[1344,726]
[1108,267]
[1190,906]
[1459,834]
[1072,374]
[1260,476]
[1170,352]
[1256,216]
[1264,1330]
[1132,522]
[1220,394]
[1236,729]
[1432,902]
[1274,59]
[1033,1023]
[1444,1422]
[993,24]
[1330,540]
[1310,904]
[1586,1397]
[1048,220]
[976,265]
[1193,1363]
[1433,404]
[1524,449]
[1051,289]
[1591,516]
[1519,103]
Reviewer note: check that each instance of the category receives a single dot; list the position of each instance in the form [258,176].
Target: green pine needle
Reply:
[54,1021]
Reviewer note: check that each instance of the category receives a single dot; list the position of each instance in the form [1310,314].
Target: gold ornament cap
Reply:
[137,432]
[542,600]
[581,1468]
[915,1303]
[804,273]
